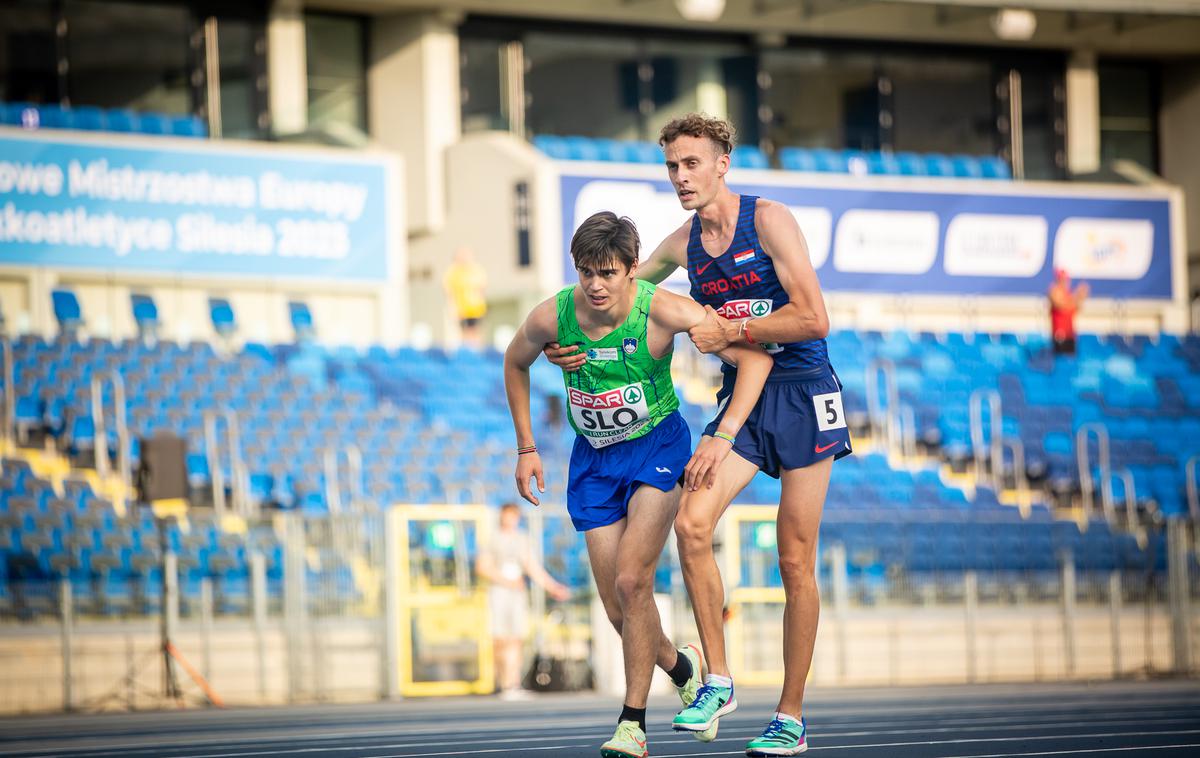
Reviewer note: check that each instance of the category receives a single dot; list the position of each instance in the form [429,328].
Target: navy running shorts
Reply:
[798,420]
[601,481]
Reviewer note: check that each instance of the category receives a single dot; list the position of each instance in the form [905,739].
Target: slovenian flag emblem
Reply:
[742,257]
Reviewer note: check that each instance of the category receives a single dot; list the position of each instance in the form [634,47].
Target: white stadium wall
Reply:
[109,215]
[922,254]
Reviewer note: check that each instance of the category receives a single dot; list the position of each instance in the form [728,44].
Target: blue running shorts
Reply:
[798,420]
[601,481]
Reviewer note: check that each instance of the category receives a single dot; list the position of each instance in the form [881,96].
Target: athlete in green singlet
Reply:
[633,448]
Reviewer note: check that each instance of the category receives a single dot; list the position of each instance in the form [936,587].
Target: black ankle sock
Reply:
[629,713]
[681,671]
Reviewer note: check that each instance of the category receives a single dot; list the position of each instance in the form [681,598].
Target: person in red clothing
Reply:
[1064,304]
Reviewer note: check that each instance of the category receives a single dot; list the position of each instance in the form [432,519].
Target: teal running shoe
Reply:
[711,703]
[688,692]
[629,741]
[780,738]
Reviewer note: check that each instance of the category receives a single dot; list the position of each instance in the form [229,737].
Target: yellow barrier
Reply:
[740,597]
[445,614]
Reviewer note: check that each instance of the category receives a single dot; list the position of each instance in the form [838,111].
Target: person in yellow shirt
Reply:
[465,282]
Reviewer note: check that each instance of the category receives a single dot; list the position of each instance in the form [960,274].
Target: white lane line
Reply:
[968,741]
[1080,750]
[656,737]
[476,751]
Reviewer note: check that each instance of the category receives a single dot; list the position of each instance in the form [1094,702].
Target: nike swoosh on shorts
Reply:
[818,449]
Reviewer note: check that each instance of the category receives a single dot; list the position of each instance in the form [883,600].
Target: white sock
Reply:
[713,680]
[785,717]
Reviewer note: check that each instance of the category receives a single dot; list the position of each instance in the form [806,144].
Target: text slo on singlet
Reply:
[610,416]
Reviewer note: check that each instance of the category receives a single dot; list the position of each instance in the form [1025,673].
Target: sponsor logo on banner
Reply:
[816,224]
[886,242]
[743,257]
[979,244]
[1102,248]
[609,417]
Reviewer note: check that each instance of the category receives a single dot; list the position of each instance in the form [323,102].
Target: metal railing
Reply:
[878,411]
[333,479]
[238,470]
[989,454]
[10,392]
[100,428]
[1020,478]
[1087,484]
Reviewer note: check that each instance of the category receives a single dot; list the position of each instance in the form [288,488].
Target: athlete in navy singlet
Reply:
[748,263]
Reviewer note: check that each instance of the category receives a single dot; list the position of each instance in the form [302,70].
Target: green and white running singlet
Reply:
[621,392]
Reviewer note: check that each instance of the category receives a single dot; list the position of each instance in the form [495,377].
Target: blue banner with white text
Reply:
[211,209]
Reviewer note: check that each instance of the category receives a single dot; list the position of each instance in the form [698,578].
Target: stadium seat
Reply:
[302,320]
[748,156]
[222,316]
[145,314]
[797,159]
[124,121]
[67,310]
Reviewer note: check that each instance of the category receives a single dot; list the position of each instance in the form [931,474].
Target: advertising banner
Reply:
[164,206]
[877,237]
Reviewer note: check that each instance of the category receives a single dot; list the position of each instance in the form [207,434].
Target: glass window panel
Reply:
[128,55]
[480,76]
[1127,114]
[240,67]
[28,70]
[710,77]
[822,99]
[585,85]
[942,105]
[335,51]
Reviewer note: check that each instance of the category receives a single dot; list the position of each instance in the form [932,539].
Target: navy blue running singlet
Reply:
[741,283]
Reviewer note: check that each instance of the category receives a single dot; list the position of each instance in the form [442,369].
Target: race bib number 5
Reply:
[609,417]
[829,411]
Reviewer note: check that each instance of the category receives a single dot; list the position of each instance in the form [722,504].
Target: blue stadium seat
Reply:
[748,156]
[967,167]
[798,159]
[911,164]
[938,165]
[302,320]
[145,312]
[995,168]
[153,123]
[222,316]
[52,116]
[66,310]
[883,163]
[551,145]
[124,121]
[87,117]
[188,126]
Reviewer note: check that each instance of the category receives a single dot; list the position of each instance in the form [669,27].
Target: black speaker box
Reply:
[162,469]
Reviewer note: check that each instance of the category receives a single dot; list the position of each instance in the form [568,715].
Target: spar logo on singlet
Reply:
[740,310]
[611,416]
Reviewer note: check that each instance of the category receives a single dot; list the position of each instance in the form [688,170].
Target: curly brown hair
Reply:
[720,131]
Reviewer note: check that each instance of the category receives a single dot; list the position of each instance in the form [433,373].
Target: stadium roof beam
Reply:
[1141,7]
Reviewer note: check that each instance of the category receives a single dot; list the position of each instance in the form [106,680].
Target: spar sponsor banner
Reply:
[876,237]
[204,209]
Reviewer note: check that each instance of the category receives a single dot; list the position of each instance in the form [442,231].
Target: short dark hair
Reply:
[605,237]
[718,130]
